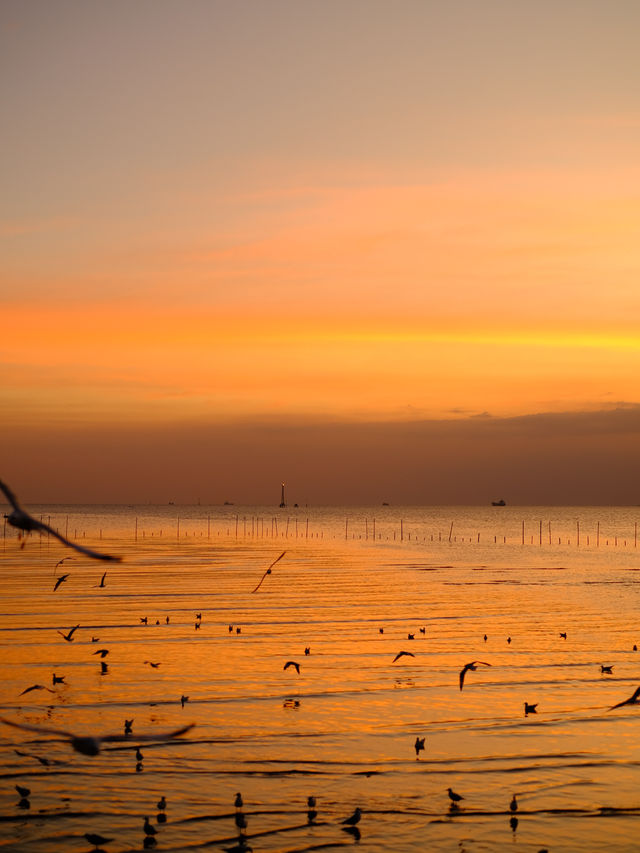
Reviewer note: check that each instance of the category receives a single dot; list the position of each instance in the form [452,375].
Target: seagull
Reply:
[96,840]
[69,637]
[183,699]
[563,634]
[148,829]
[423,630]
[400,654]
[92,744]
[127,727]
[60,562]
[36,687]
[531,709]
[632,700]
[355,817]
[102,584]
[238,801]
[57,679]
[46,762]
[20,519]
[307,650]
[292,663]
[411,636]
[455,798]
[471,666]
[24,792]
[418,746]
[268,572]
[139,755]
[60,580]
[608,669]
[311,802]
[102,652]
[161,804]
[154,665]
[513,805]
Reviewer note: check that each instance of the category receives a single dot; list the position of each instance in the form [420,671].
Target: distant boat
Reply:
[498,503]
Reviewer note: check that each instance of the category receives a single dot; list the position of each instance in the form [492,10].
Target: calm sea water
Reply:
[352,586]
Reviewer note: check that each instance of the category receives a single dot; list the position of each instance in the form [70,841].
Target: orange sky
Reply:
[314,215]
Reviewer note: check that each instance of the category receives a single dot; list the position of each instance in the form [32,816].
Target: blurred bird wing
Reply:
[40,729]
[268,571]
[150,737]
[10,497]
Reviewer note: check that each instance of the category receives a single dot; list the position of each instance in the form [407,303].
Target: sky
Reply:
[381,251]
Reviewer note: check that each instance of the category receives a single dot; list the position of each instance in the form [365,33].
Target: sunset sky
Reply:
[384,251]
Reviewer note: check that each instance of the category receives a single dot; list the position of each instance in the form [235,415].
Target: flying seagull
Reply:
[20,519]
[60,580]
[69,636]
[400,654]
[92,744]
[268,572]
[632,700]
[470,666]
[37,687]
[292,663]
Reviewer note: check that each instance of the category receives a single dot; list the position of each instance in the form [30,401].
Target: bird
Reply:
[508,639]
[455,798]
[238,801]
[196,625]
[57,679]
[95,639]
[608,669]
[419,746]
[632,700]
[102,584]
[46,762]
[183,699]
[292,663]
[311,802]
[268,572]
[60,580]
[151,663]
[21,520]
[36,687]
[96,840]
[307,650]
[381,630]
[144,620]
[69,636]
[563,634]
[92,744]
[411,636]
[530,709]
[513,805]
[60,562]
[355,817]
[485,638]
[127,727]
[139,755]
[161,804]
[102,652]
[470,666]
[148,829]
[423,630]
[400,654]
[24,792]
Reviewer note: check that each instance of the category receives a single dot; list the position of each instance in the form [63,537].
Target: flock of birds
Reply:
[91,745]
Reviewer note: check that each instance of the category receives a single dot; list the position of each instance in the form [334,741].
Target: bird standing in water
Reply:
[419,746]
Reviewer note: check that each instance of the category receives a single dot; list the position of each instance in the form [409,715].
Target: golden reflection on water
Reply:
[343,728]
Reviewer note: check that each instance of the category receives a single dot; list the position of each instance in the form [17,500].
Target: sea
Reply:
[277,633]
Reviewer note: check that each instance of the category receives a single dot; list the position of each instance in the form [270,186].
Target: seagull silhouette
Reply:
[292,663]
[36,687]
[60,580]
[102,583]
[418,746]
[608,669]
[355,817]
[21,520]
[69,636]
[97,840]
[57,679]
[102,652]
[161,804]
[24,792]
[470,666]
[455,798]
[531,709]
[268,572]
[400,654]
[513,805]
[92,744]
[632,700]
[238,801]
